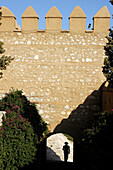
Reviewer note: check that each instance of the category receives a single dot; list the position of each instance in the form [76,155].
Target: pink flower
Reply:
[85,130]
[20,116]
[16,106]
[9,111]
[92,130]
[22,120]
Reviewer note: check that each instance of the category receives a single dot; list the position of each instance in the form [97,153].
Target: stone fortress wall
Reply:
[57,69]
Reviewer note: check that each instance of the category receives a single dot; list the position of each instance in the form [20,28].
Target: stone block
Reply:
[29,20]
[102,21]
[53,20]
[8,20]
[77,20]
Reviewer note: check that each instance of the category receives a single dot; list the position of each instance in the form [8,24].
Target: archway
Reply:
[54,147]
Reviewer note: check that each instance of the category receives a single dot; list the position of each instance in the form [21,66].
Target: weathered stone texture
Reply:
[56,71]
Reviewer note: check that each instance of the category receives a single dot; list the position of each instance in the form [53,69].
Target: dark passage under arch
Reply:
[54,147]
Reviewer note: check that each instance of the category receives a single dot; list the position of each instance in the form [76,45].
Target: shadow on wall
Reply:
[82,116]
[79,119]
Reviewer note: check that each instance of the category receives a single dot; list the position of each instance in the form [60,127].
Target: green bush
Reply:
[68,137]
[22,129]
[97,142]
[17,141]
[98,124]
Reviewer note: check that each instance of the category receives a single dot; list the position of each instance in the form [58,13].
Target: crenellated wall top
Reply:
[101,21]
[30,13]
[103,13]
[77,13]
[6,12]
[53,13]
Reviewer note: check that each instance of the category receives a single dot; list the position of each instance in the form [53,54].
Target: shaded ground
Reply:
[51,155]
[60,165]
[55,165]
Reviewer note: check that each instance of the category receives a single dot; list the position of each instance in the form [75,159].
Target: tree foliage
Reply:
[111,2]
[1,48]
[108,61]
[4,60]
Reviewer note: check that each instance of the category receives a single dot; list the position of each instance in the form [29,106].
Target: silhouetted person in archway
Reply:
[66,150]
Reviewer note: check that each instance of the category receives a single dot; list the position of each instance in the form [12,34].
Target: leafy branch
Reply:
[4,60]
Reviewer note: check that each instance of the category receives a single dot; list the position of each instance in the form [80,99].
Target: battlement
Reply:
[101,21]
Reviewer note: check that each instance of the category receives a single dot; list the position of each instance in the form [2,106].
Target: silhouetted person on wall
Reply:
[66,150]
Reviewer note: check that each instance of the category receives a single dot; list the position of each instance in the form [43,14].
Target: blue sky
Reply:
[90,7]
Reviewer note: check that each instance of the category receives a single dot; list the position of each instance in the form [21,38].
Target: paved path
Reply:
[54,148]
